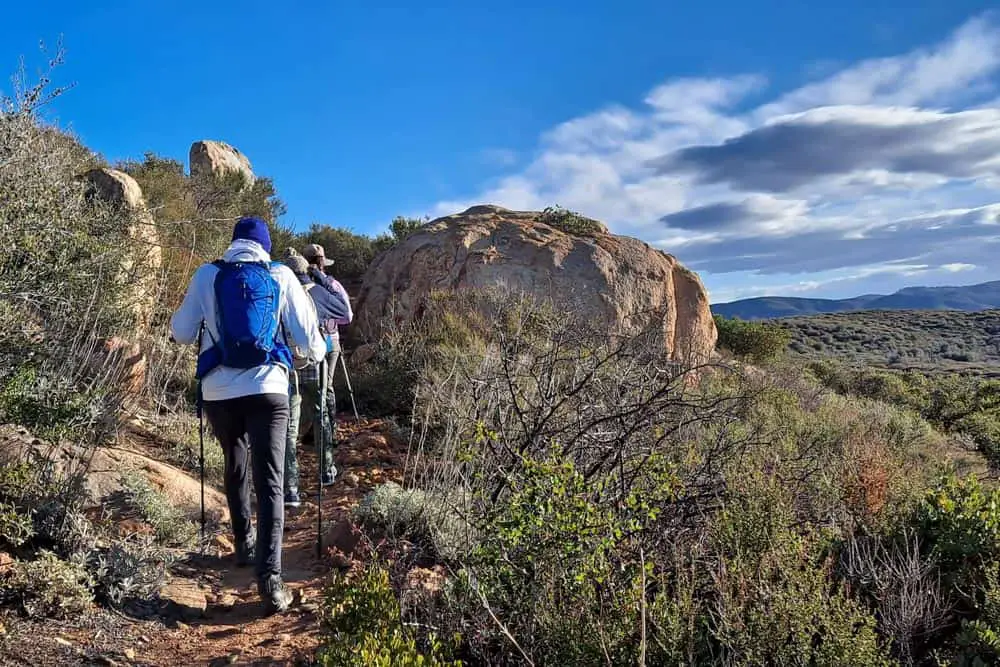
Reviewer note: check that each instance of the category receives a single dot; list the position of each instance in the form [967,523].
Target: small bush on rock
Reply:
[570,222]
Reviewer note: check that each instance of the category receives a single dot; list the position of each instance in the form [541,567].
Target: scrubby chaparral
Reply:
[530,485]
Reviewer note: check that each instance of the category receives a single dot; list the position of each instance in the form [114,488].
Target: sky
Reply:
[780,148]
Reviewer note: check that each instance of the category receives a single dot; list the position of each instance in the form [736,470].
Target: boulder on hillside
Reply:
[617,279]
[219,158]
[143,267]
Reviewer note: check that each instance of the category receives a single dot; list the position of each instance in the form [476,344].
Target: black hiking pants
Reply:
[254,427]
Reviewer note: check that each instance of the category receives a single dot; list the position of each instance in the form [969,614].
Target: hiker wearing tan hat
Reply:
[333,307]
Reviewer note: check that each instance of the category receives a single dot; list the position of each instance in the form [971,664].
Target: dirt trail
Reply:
[232,629]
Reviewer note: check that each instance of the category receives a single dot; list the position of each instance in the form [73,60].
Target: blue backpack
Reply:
[247,298]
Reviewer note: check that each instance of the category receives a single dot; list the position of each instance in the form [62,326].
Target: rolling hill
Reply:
[983,296]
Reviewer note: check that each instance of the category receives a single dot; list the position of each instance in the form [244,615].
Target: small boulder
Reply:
[183,599]
[345,537]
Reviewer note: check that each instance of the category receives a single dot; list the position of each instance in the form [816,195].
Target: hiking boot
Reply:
[292,498]
[246,551]
[275,594]
[328,477]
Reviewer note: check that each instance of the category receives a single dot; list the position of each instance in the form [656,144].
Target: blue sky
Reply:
[775,147]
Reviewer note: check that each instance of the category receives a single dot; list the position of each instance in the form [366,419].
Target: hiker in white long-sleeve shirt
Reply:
[252,310]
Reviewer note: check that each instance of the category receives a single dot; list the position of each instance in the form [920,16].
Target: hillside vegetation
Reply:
[929,340]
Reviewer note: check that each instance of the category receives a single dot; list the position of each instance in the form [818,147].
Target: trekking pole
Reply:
[320,449]
[347,378]
[201,441]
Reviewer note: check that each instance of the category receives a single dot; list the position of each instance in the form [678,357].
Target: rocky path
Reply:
[211,614]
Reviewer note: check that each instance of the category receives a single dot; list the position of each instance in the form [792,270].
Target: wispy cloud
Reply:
[885,162]
[956,267]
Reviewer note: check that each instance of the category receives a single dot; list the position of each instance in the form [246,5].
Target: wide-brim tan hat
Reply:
[314,250]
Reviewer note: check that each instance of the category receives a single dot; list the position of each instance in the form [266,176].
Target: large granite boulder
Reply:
[142,267]
[219,158]
[620,280]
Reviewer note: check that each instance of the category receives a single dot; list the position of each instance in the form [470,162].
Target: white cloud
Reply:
[964,61]
[887,163]
[829,280]
[955,267]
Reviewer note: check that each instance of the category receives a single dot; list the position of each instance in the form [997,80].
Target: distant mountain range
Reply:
[969,298]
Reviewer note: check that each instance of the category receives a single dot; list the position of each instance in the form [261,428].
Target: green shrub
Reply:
[134,567]
[47,587]
[401,227]
[185,449]
[570,222]
[754,341]
[978,642]
[169,522]
[782,611]
[959,522]
[16,527]
[43,511]
[50,404]
[414,515]
[361,625]
[984,430]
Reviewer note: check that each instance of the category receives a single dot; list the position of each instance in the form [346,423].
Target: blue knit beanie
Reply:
[253,229]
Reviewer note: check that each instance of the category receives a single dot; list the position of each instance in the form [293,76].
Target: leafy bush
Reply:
[52,405]
[169,523]
[754,341]
[414,515]
[773,605]
[361,625]
[352,253]
[978,643]
[401,227]
[47,587]
[570,222]
[16,527]
[184,450]
[959,522]
[46,502]
[134,567]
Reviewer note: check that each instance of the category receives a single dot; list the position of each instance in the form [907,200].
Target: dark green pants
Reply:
[303,399]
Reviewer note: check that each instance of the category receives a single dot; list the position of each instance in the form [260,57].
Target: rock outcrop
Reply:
[102,470]
[620,280]
[141,268]
[219,158]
